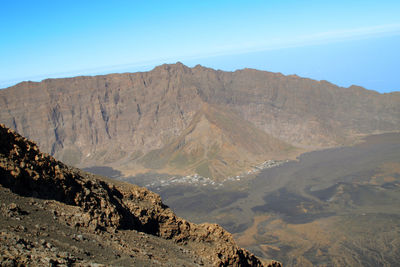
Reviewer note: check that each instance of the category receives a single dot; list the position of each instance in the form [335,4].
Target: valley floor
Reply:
[334,207]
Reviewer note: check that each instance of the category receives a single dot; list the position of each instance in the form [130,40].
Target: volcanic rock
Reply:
[78,217]
[118,119]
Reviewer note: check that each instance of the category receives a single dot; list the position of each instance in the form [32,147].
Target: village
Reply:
[196,179]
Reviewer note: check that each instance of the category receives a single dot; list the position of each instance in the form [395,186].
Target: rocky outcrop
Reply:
[116,119]
[107,206]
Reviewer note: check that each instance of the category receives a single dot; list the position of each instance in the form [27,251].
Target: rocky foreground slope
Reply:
[52,214]
[120,120]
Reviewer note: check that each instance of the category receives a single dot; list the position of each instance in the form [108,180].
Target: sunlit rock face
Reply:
[119,119]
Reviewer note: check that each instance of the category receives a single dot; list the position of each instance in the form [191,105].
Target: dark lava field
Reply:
[338,206]
[333,207]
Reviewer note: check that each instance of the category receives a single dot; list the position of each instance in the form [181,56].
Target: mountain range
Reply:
[180,120]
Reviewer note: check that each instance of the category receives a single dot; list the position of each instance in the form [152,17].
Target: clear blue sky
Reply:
[344,42]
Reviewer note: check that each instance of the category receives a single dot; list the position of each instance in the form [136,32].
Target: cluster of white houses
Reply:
[196,179]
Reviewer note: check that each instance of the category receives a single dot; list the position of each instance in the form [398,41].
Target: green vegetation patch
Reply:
[204,170]
[180,160]
[153,160]
[213,151]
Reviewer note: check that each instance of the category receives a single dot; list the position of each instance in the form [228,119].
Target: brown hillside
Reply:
[79,216]
[217,143]
[116,119]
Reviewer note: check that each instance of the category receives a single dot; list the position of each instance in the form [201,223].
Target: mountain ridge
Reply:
[115,119]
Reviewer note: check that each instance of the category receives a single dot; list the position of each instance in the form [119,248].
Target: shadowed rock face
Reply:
[96,205]
[116,119]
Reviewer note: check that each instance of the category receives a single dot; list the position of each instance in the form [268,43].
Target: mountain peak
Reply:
[174,66]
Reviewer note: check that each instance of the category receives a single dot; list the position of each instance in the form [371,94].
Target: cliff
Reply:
[119,119]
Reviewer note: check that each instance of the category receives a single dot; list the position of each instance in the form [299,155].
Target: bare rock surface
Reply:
[52,214]
[116,120]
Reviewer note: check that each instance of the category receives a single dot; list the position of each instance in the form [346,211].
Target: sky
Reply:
[343,42]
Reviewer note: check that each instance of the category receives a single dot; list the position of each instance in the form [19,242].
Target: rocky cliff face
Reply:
[117,119]
[76,203]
